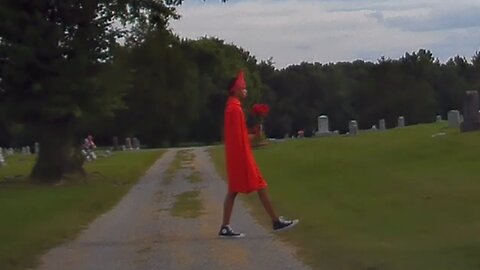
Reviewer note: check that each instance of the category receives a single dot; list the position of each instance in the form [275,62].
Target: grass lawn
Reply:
[393,200]
[34,218]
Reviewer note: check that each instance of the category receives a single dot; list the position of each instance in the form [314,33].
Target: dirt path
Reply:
[159,225]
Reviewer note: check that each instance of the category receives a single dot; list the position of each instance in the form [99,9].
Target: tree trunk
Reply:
[57,156]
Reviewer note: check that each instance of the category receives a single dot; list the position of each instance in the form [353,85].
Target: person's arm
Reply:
[235,126]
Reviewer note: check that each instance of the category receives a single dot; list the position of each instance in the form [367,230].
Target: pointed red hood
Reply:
[239,83]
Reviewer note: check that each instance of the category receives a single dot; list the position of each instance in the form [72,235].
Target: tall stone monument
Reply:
[471,116]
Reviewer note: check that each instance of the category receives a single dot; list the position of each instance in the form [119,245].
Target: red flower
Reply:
[260,110]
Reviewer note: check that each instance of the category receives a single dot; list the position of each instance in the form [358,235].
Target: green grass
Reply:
[187,205]
[393,200]
[18,168]
[34,218]
[182,160]
[195,177]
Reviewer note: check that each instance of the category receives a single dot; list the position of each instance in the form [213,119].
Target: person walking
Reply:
[243,173]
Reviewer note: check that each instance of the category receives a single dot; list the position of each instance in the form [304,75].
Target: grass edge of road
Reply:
[36,218]
[379,200]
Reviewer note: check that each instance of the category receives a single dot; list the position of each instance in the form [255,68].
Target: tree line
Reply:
[416,86]
[178,91]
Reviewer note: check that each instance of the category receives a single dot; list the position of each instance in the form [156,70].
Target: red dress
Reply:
[243,173]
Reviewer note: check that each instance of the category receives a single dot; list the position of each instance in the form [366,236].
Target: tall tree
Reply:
[51,52]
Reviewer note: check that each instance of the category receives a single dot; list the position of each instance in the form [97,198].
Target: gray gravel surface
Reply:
[141,232]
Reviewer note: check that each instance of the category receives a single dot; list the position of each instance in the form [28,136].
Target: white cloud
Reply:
[335,30]
[438,19]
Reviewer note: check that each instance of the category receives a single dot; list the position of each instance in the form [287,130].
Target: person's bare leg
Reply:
[263,195]
[228,208]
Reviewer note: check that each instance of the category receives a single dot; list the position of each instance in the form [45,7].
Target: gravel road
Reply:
[147,231]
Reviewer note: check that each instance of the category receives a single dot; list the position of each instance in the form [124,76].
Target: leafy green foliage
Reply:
[56,64]
[416,86]
[177,90]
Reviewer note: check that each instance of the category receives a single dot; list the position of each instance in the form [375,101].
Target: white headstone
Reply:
[374,128]
[136,143]
[37,148]
[28,151]
[323,125]
[353,128]
[439,118]
[401,122]
[128,143]
[454,119]
[2,159]
[382,124]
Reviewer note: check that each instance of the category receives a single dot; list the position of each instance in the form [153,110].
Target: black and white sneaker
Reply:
[228,232]
[283,224]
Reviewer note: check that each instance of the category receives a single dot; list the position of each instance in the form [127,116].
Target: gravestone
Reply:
[382,125]
[116,146]
[439,118]
[128,143]
[37,148]
[25,150]
[374,128]
[323,126]
[453,119]
[136,143]
[353,128]
[401,122]
[2,159]
[28,151]
[470,112]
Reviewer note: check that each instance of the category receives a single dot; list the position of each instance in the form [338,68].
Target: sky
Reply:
[327,31]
